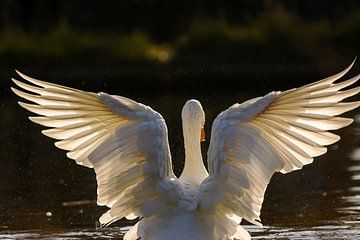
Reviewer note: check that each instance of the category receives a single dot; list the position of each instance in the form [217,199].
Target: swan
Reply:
[126,143]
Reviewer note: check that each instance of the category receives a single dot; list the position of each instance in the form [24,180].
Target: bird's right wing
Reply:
[279,132]
[124,141]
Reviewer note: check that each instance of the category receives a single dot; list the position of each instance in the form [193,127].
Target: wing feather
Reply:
[124,141]
[280,132]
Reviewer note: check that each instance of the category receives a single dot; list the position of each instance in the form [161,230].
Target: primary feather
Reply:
[280,132]
[127,145]
[124,141]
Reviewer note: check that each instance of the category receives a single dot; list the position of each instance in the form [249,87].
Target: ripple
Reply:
[267,232]
[319,232]
[110,233]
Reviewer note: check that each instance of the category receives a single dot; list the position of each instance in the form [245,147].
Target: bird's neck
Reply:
[194,170]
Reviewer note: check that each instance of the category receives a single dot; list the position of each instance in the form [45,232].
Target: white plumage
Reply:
[127,145]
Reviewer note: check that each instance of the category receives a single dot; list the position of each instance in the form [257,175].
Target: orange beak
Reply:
[202,135]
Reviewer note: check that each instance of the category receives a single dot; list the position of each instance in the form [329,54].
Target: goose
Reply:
[126,143]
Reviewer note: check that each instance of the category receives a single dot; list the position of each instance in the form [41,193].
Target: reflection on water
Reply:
[327,232]
[113,233]
[322,232]
[352,199]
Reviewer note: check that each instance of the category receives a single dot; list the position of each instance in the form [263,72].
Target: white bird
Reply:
[127,145]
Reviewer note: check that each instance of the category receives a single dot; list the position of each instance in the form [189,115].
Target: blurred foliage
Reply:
[276,35]
[273,36]
[63,41]
[146,38]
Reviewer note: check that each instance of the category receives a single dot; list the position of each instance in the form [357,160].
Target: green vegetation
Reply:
[272,36]
[65,42]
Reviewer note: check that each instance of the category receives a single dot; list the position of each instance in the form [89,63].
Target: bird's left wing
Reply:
[124,141]
[279,132]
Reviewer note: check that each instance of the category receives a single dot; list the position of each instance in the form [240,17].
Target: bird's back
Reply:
[182,224]
[187,220]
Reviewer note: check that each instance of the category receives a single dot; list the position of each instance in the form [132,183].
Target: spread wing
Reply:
[124,141]
[280,132]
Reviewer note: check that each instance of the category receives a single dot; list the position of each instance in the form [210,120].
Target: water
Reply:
[44,195]
[266,232]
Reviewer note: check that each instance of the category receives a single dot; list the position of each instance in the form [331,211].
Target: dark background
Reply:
[162,53]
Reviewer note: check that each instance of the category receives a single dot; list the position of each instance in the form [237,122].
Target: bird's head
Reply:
[193,117]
